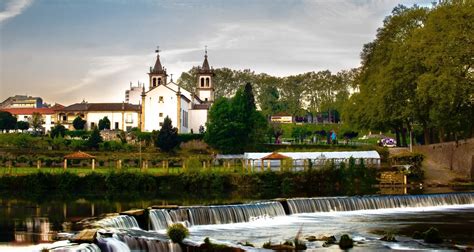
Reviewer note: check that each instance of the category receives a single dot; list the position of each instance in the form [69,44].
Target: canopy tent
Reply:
[256,159]
[78,156]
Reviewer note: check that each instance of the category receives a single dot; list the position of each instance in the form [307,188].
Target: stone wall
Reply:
[458,157]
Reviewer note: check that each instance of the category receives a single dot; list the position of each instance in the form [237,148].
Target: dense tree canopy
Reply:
[418,71]
[104,123]
[79,123]
[234,125]
[309,92]
[7,121]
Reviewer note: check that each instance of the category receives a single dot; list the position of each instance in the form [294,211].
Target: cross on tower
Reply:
[205,49]
[157,49]
[171,77]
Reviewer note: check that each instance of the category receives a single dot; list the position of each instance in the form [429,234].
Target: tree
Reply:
[234,125]
[22,125]
[7,121]
[167,138]
[58,131]
[79,123]
[104,123]
[95,139]
[36,121]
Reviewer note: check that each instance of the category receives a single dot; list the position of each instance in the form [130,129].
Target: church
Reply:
[187,109]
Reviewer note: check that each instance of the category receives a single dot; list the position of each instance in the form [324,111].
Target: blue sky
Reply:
[69,50]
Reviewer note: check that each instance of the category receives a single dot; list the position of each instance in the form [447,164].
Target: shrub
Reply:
[346,242]
[177,232]
[194,146]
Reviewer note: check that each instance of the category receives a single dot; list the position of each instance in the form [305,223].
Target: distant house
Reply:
[122,116]
[281,118]
[22,101]
[25,114]
[134,94]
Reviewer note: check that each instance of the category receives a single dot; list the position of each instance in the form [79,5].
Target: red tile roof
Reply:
[29,111]
[79,155]
[275,156]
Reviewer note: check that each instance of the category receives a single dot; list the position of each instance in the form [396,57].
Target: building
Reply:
[22,101]
[48,115]
[281,118]
[134,94]
[187,109]
[122,116]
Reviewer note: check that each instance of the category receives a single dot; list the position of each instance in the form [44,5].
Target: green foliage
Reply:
[167,139]
[418,70]
[36,121]
[267,245]
[104,123]
[346,242]
[7,121]
[177,232]
[416,172]
[234,125]
[189,137]
[95,139]
[58,131]
[79,123]
[22,125]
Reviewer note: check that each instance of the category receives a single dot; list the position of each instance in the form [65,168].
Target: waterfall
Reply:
[336,204]
[160,219]
[121,221]
[206,215]
[147,244]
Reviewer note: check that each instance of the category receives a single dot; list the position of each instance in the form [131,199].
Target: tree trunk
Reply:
[397,136]
[404,137]
[426,135]
[441,135]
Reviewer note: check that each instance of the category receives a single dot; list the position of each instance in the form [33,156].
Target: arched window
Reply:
[207,82]
[159,81]
[202,82]
[154,82]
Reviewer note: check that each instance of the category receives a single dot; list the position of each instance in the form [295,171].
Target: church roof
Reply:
[205,69]
[158,68]
[85,106]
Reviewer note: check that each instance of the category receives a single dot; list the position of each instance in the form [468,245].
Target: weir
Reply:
[121,221]
[207,215]
[342,204]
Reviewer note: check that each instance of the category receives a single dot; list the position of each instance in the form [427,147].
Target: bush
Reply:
[183,138]
[177,232]
[194,146]
[346,242]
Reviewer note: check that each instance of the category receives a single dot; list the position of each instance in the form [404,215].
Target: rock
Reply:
[432,235]
[389,238]
[417,235]
[85,236]
[311,238]
[346,242]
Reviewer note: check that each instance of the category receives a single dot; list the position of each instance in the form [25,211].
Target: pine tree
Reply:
[167,139]
[95,139]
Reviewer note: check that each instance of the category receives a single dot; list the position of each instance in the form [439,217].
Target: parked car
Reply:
[388,142]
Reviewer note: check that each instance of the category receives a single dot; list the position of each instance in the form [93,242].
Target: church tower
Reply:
[205,87]
[157,73]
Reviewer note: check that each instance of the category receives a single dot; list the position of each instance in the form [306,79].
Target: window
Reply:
[25,117]
[129,118]
[161,124]
[154,82]
[92,125]
[207,82]
[159,81]
[205,99]
[116,125]
[161,100]
[161,114]
[64,118]
[202,82]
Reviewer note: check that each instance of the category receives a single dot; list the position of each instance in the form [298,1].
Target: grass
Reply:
[19,171]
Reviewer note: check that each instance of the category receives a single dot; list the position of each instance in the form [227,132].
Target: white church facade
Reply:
[187,110]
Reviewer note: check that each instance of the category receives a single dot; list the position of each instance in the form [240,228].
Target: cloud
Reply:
[14,8]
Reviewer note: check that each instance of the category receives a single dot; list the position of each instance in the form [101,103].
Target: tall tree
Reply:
[104,123]
[7,121]
[79,123]
[167,138]
[95,139]
[58,131]
[36,121]
[22,125]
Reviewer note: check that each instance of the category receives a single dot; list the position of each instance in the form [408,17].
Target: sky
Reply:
[66,51]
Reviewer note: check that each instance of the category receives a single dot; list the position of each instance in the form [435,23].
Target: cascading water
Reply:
[147,244]
[336,204]
[207,215]
[160,219]
[121,221]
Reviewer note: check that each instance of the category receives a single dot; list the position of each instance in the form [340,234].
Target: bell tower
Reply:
[157,73]
[205,87]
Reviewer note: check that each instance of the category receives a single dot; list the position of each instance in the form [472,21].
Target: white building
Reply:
[134,94]
[26,114]
[186,109]
[122,116]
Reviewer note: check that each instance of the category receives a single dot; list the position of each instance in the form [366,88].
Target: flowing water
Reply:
[366,218]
